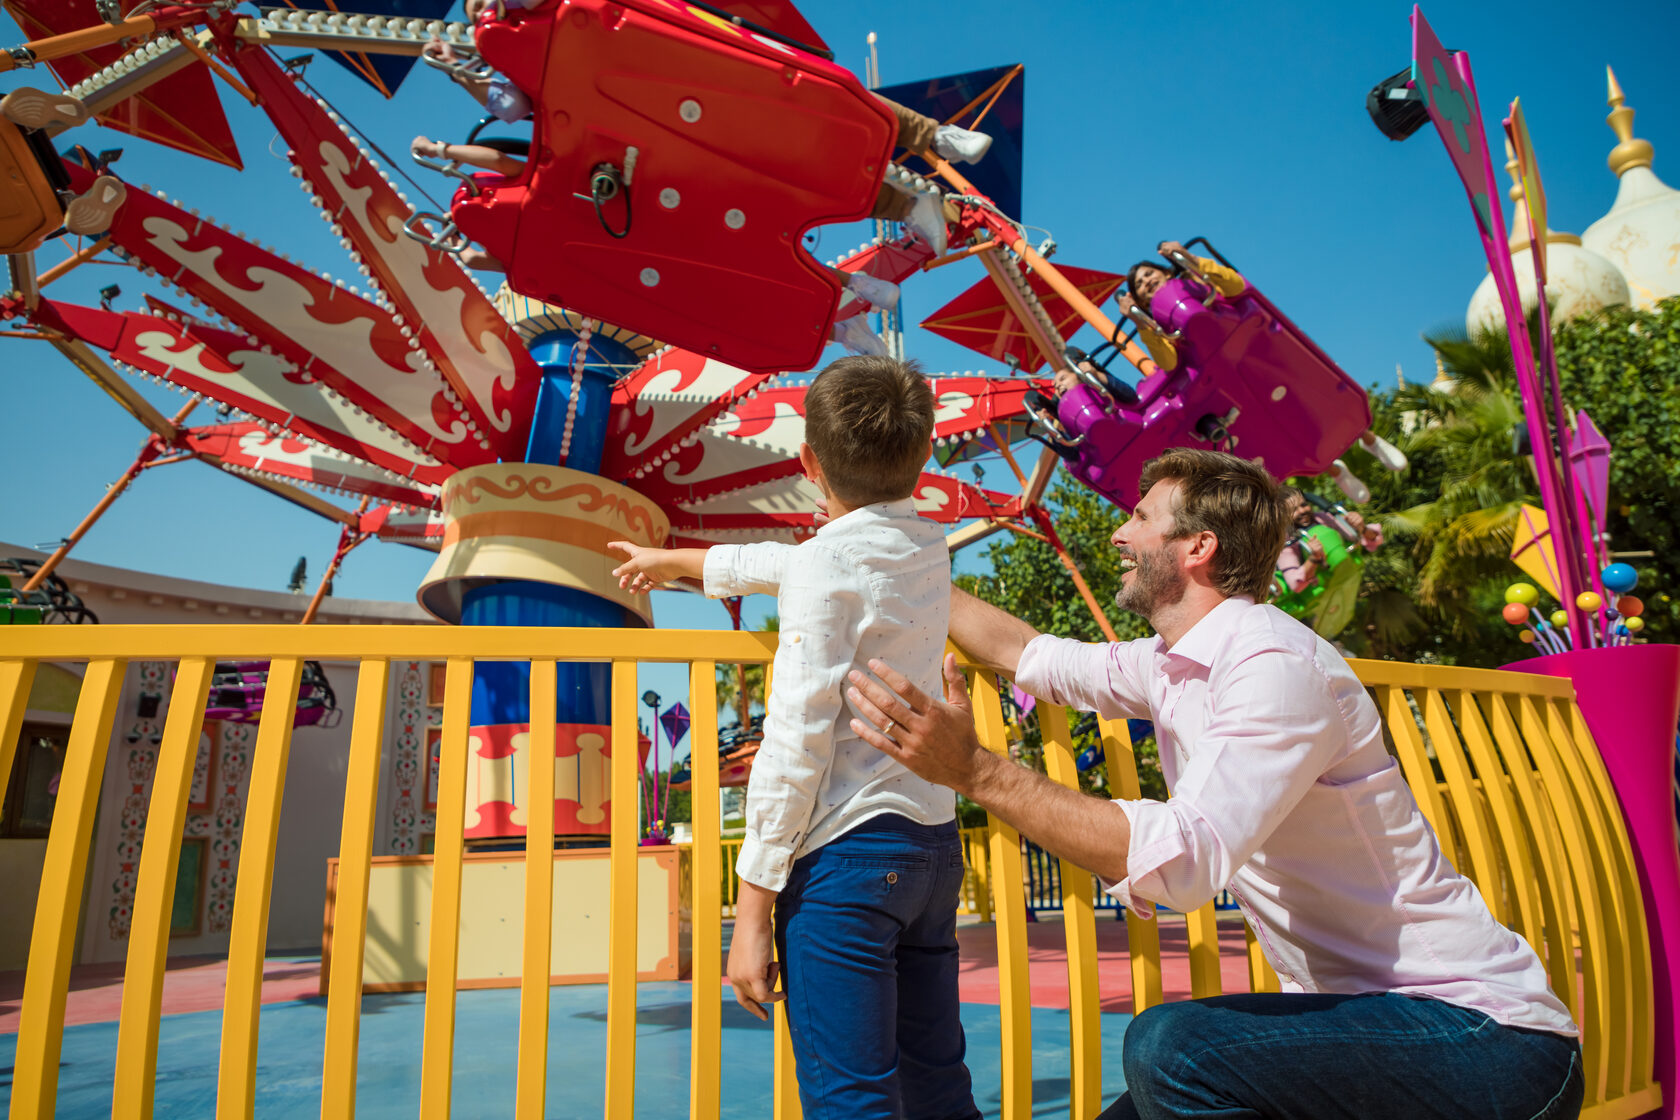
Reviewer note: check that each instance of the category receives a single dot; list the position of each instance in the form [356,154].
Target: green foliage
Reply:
[1623,367]
[1029,581]
[1434,593]
[734,680]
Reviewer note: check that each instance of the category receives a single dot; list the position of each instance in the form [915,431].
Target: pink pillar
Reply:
[1630,697]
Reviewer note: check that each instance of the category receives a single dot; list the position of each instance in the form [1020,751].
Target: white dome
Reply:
[1641,233]
[1640,236]
[1578,282]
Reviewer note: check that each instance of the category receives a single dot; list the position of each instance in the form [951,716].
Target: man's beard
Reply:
[1156,582]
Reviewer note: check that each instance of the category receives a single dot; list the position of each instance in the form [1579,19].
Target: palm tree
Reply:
[740,688]
[1455,510]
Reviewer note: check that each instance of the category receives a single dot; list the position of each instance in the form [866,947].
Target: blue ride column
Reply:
[525,545]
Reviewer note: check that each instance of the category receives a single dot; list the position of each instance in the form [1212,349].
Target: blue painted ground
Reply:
[292,1035]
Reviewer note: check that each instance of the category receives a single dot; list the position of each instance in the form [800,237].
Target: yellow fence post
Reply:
[1009,896]
[236,1094]
[16,679]
[1079,927]
[437,1048]
[706,967]
[1143,935]
[52,947]
[154,895]
[621,923]
[350,902]
[531,1081]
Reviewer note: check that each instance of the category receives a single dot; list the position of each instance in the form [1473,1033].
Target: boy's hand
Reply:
[646,569]
[752,972]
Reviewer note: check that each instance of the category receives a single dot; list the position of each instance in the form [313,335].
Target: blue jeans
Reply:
[1366,1057]
[866,930]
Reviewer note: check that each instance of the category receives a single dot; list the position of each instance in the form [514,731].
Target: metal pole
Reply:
[153,447]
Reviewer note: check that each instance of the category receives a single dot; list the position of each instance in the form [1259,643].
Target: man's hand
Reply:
[821,517]
[752,971]
[1315,548]
[932,738]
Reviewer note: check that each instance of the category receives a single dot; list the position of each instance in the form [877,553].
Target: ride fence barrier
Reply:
[1502,765]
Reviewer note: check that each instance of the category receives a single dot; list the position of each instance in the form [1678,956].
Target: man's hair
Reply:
[1287,492]
[868,419]
[1236,501]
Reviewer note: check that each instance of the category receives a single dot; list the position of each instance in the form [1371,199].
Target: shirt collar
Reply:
[879,511]
[1202,641]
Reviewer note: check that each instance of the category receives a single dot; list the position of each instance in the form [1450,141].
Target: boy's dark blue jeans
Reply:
[1364,1057]
[866,930]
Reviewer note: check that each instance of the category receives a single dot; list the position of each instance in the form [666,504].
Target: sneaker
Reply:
[959,145]
[1384,452]
[927,221]
[1357,492]
[854,334]
[879,293]
[37,109]
[92,213]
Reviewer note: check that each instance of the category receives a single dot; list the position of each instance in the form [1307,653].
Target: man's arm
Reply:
[991,637]
[936,739]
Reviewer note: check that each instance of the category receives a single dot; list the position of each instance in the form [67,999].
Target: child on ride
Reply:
[859,858]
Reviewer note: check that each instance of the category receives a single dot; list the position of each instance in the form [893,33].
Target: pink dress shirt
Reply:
[1283,793]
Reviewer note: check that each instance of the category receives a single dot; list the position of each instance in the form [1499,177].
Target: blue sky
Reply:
[1244,123]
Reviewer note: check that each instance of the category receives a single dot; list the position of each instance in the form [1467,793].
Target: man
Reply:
[1402,997]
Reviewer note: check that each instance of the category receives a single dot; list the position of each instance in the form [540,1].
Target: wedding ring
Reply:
[887,730]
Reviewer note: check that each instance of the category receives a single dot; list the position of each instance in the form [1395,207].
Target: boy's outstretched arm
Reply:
[647,568]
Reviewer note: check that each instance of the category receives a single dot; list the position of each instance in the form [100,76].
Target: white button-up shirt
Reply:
[875,582]
[1283,792]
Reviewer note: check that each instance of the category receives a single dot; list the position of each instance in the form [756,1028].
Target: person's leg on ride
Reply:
[1364,1057]
[920,133]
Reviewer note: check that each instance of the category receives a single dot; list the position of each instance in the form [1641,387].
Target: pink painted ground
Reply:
[198,983]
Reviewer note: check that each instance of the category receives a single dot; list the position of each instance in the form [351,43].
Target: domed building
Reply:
[1641,233]
[1629,256]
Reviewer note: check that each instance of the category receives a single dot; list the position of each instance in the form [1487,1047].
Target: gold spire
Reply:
[1630,153]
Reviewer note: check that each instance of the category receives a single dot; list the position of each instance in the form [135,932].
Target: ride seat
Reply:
[30,209]
[741,143]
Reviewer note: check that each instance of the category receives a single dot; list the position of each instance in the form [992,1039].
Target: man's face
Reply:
[1155,576]
[1300,513]
[1149,281]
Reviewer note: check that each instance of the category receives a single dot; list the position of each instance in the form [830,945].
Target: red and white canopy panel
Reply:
[229,369]
[252,450]
[737,476]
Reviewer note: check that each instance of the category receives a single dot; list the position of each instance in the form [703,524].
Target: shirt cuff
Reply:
[764,865]
[718,574]
[1156,841]
[1033,670]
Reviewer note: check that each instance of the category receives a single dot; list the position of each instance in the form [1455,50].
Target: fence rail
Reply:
[1501,763]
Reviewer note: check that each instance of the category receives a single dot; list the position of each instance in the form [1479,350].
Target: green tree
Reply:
[1027,579]
[1436,597]
[735,680]
[1623,367]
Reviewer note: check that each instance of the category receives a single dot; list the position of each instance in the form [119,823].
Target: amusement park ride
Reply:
[637,374]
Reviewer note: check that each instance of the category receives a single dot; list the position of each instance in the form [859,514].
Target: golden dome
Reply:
[1641,233]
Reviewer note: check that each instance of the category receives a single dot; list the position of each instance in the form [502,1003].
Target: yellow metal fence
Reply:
[1502,764]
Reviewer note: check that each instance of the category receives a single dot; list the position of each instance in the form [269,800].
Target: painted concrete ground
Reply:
[293,1028]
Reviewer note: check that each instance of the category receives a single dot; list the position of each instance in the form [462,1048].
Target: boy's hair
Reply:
[1236,501]
[869,421]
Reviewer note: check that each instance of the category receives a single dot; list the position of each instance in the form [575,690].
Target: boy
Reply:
[858,857]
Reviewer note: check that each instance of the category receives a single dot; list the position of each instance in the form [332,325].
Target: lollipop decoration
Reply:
[1520,600]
